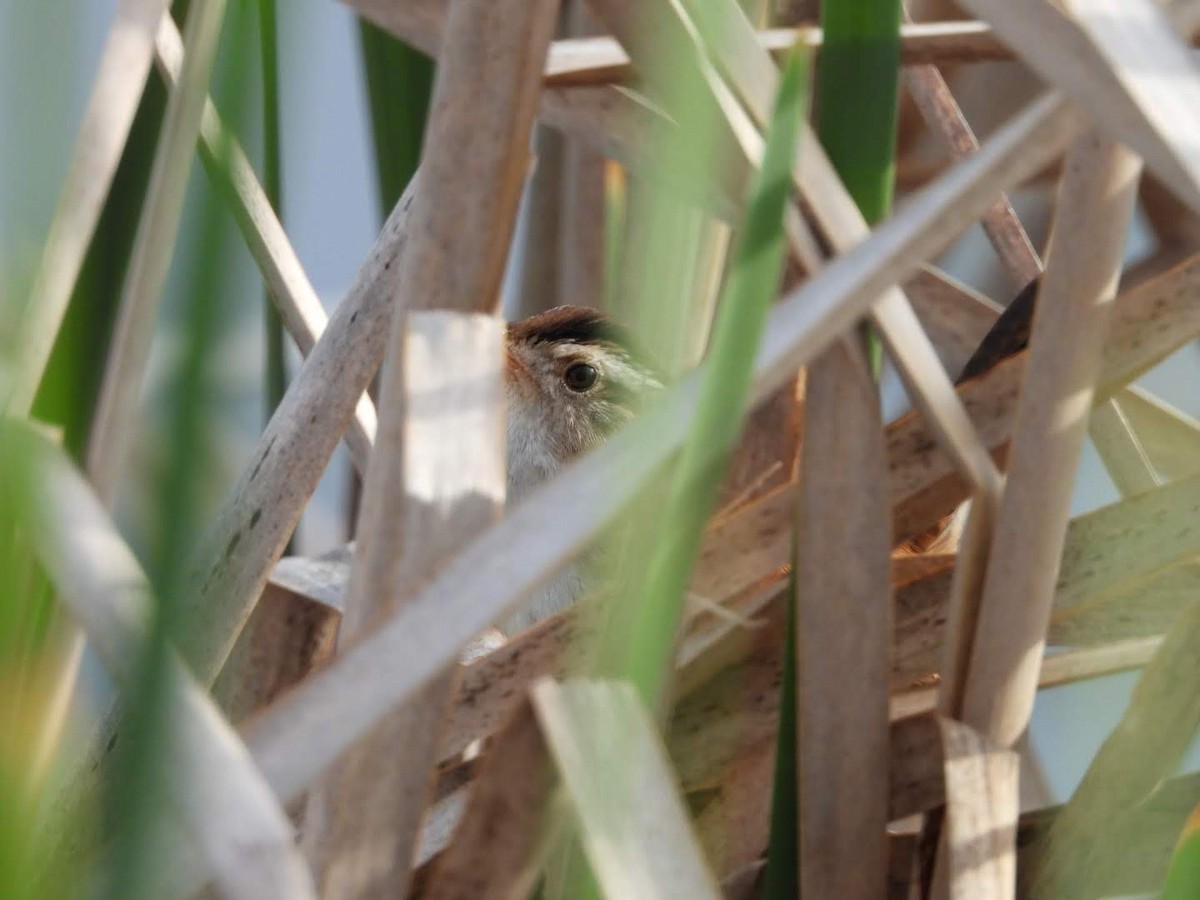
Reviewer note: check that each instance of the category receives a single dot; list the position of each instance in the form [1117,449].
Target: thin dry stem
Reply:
[294,296]
[129,350]
[942,113]
[124,67]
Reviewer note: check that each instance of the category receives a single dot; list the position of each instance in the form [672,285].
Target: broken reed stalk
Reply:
[443,386]
[297,301]
[129,349]
[116,90]
[213,783]
[420,505]
[980,823]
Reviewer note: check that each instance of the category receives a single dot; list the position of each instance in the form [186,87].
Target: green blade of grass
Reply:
[154,247]
[857,81]
[399,84]
[268,33]
[1183,875]
[274,339]
[749,292]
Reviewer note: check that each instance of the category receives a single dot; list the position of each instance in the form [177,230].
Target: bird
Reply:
[572,377]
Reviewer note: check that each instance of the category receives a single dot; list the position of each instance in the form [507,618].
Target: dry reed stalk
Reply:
[634,826]
[257,517]
[500,831]
[602,61]
[942,114]
[231,813]
[294,296]
[981,816]
[1176,227]
[1066,667]
[1155,67]
[581,244]
[158,225]
[116,90]
[539,259]
[1145,747]
[843,631]
[494,573]
[1004,649]
[1057,49]
[438,477]
[288,636]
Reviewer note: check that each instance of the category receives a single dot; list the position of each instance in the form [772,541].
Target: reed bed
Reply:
[797,674]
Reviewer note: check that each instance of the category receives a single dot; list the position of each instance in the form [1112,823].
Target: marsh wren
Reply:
[572,378]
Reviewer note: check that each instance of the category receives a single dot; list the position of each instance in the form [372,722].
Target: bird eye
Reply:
[580,377]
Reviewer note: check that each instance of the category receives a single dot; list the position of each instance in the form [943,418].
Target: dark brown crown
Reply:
[580,325]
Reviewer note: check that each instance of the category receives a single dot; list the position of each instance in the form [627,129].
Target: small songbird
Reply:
[573,377]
